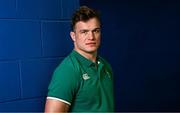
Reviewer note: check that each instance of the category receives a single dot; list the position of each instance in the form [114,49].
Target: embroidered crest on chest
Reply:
[85,76]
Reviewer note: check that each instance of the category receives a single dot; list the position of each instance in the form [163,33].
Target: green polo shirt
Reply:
[84,85]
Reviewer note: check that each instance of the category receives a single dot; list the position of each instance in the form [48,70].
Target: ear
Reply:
[72,34]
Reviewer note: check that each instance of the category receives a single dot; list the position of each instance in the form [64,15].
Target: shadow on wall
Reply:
[141,40]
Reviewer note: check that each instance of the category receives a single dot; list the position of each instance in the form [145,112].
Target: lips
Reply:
[91,43]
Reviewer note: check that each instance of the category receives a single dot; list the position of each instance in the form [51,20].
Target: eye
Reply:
[96,30]
[83,32]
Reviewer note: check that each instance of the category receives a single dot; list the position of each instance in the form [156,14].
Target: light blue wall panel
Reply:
[56,38]
[9,81]
[19,39]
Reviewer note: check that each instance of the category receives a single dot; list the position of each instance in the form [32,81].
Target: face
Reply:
[86,36]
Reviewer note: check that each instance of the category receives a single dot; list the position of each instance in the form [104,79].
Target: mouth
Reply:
[91,43]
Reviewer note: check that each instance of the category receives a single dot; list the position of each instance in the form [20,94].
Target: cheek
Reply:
[80,40]
[98,40]
[98,37]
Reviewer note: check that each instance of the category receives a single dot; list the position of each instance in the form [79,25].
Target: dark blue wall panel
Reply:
[56,38]
[34,9]
[34,38]
[9,81]
[35,76]
[68,6]
[19,39]
[7,8]
[25,105]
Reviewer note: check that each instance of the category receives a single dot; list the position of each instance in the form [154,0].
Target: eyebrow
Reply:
[90,30]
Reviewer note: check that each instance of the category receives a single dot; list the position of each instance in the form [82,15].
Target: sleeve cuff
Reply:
[54,98]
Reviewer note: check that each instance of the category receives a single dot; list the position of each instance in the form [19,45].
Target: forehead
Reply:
[90,24]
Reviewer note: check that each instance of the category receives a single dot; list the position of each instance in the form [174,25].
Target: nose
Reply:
[91,35]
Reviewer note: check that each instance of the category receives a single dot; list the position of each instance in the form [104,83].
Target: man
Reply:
[83,81]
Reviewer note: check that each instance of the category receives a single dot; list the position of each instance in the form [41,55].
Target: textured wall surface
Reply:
[34,38]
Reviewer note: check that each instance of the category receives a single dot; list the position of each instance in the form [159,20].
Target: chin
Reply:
[91,50]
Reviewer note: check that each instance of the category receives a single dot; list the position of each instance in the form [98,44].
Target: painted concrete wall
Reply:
[34,38]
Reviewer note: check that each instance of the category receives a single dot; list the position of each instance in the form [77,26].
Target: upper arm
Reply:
[55,106]
[64,84]
[63,87]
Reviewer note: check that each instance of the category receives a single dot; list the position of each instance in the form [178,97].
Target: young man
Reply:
[83,81]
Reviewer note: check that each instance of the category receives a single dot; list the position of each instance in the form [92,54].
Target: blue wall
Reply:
[141,39]
[34,38]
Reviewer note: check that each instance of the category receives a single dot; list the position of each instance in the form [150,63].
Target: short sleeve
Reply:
[64,84]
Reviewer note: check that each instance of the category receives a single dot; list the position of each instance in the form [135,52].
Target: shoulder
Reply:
[65,74]
[68,67]
[106,63]
[65,80]
[68,62]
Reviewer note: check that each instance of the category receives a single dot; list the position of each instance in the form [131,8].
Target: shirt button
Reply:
[98,62]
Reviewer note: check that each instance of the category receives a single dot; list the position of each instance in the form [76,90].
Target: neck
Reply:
[91,56]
